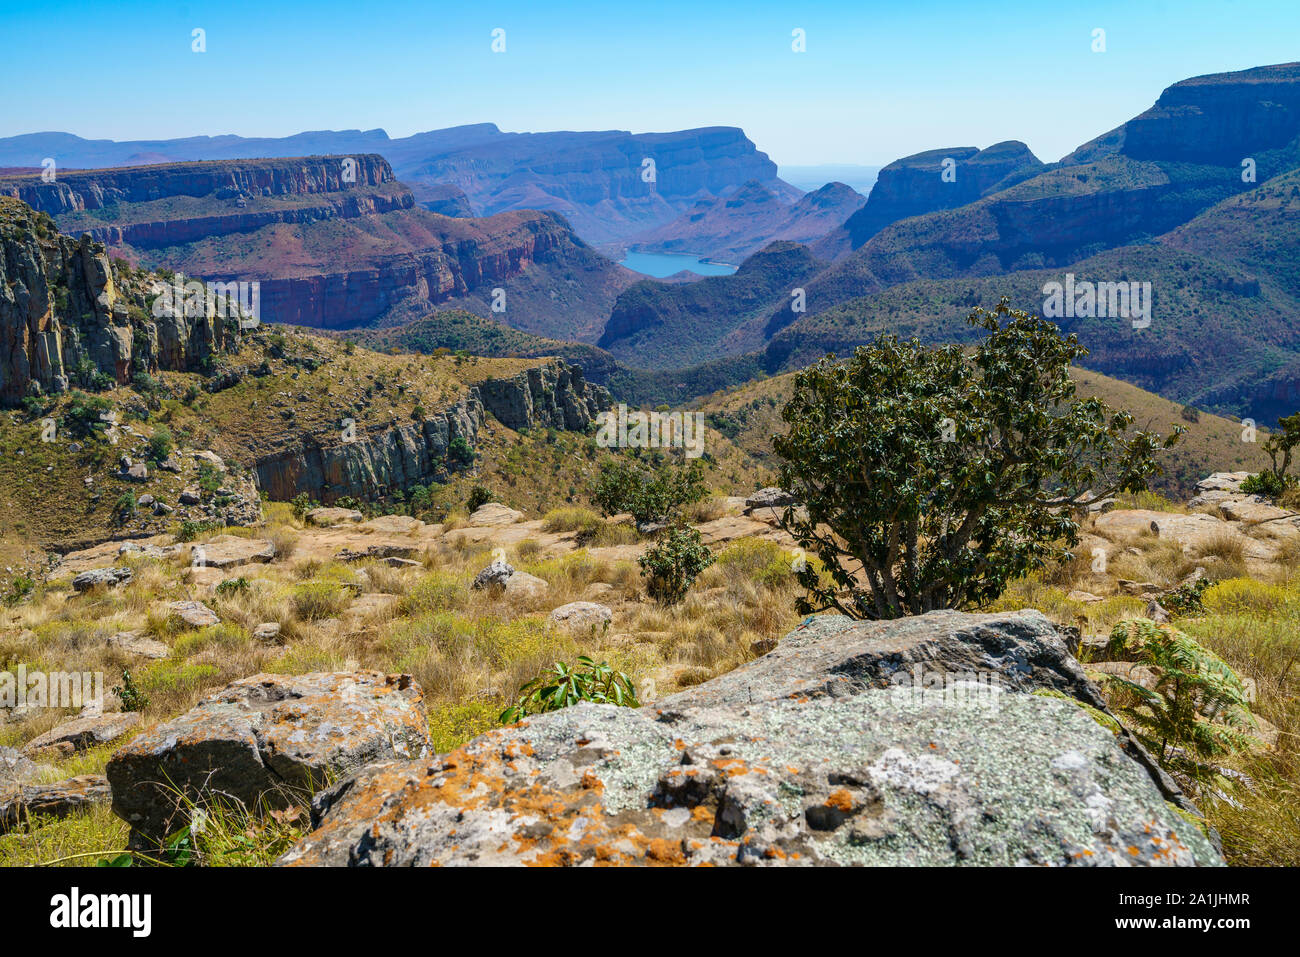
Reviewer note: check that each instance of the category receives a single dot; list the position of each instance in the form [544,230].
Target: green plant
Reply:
[650,496]
[302,503]
[132,698]
[1196,707]
[1265,483]
[561,686]
[478,497]
[233,586]
[460,454]
[190,529]
[672,564]
[1280,445]
[18,588]
[936,476]
[1186,599]
[161,444]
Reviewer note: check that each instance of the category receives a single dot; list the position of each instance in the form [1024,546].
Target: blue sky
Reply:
[878,81]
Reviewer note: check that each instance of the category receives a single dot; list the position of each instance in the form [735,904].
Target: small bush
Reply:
[561,686]
[479,496]
[672,564]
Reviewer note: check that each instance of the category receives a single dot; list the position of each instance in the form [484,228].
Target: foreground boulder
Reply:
[259,738]
[914,742]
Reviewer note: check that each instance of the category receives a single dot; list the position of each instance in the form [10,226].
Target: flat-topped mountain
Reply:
[336,242]
[929,181]
[608,184]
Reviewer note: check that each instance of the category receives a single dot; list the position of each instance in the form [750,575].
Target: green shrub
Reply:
[161,444]
[561,686]
[478,497]
[672,564]
[650,496]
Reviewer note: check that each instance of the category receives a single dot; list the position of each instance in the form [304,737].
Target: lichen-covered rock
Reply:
[770,497]
[815,754]
[496,573]
[81,733]
[227,551]
[494,514]
[51,800]
[193,613]
[261,737]
[583,617]
[333,516]
[108,577]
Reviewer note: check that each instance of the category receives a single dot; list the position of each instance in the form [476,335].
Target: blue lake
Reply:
[665,264]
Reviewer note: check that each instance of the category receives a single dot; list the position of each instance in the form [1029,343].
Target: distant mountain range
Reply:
[1199,196]
[734,227]
[602,182]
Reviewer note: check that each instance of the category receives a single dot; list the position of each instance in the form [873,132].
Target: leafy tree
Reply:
[561,686]
[931,477]
[650,496]
[672,564]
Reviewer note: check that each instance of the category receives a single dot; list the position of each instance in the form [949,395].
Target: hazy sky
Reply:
[878,80]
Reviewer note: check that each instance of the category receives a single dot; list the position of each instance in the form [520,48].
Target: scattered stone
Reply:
[812,754]
[1086,597]
[268,631]
[136,644]
[1222,482]
[194,613]
[376,552]
[770,497]
[52,800]
[494,574]
[393,524]
[227,551]
[762,646]
[1136,588]
[524,585]
[138,472]
[1156,612]
[326,517]
[190,496]
[212,458]
[82,733]
[109,577]
[494,514]
[261,737]
[583,617]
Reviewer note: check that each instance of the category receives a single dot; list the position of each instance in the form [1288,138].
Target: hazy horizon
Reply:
[875,82]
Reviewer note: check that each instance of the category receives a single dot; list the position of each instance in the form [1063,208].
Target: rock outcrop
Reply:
[916,742]
[66,312]
[551,395]
[261,739]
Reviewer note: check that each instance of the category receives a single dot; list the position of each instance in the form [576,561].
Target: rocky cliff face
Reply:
[91,190]
[594,178]
[67,313]
[336,242]
[1217,119]
[552,395]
